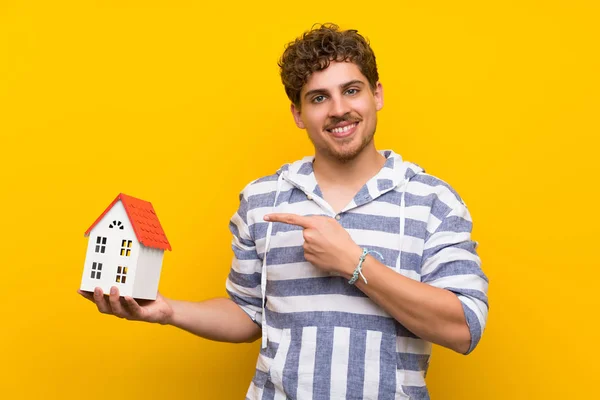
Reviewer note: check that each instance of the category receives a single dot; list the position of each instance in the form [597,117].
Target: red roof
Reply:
[143,219]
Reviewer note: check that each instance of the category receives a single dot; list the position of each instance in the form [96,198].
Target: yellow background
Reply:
[181,104]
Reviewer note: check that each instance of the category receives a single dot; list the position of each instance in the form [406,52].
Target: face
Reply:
[339,111]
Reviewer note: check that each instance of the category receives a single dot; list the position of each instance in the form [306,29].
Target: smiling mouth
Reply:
[344,130]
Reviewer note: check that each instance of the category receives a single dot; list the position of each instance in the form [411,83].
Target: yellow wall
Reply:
[181,104]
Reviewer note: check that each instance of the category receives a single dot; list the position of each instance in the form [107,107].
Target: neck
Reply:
[360,169]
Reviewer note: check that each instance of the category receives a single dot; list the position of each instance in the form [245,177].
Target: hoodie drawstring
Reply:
[402,223]
[263,275]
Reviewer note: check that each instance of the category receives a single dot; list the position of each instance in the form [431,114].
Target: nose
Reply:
[339,106]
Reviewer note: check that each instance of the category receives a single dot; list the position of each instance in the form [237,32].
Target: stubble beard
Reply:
[345,155]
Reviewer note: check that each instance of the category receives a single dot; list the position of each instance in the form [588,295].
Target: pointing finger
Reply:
[292,219]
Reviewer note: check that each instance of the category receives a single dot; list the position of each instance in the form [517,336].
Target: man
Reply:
[348,264]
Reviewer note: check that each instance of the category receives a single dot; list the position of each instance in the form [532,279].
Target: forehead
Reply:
[333,76]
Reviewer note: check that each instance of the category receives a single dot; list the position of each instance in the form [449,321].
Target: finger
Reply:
[309,235]
[134,308]
[101,302]
[292,219]
[115,303]
[308,255]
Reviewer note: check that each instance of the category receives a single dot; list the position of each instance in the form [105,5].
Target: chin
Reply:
[351,152]
[345,155]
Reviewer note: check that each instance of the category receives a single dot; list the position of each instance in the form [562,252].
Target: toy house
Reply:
[125,249]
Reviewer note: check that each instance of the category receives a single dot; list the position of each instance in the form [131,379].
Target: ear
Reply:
[378,95]
[297,116]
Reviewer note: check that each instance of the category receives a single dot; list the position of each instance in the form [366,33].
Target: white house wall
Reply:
[111,257]
[148,273]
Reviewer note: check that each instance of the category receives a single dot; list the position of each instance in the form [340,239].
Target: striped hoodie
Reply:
[321,337]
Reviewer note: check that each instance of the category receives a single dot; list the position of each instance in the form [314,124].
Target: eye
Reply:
[318,99]
[352,91]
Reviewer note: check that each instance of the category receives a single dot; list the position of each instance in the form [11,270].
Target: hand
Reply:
[126,307]
[327,245]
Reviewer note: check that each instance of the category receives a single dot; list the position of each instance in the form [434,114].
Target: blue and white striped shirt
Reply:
[324,338]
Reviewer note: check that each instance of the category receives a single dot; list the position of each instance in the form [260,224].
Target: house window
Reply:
[126,248]
[100,244]
[116,224]
[96,270]
[121,274]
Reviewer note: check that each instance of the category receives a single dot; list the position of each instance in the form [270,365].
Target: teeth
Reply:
[344,129]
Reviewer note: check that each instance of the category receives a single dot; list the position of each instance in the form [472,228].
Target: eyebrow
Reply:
[342,87]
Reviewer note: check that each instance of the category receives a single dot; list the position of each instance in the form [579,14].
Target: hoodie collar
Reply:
[394,173]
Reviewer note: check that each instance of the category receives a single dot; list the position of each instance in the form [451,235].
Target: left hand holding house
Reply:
[126,307]
[327,245]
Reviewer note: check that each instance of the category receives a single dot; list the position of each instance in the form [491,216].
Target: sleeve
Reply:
[451,262]
[243,282]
